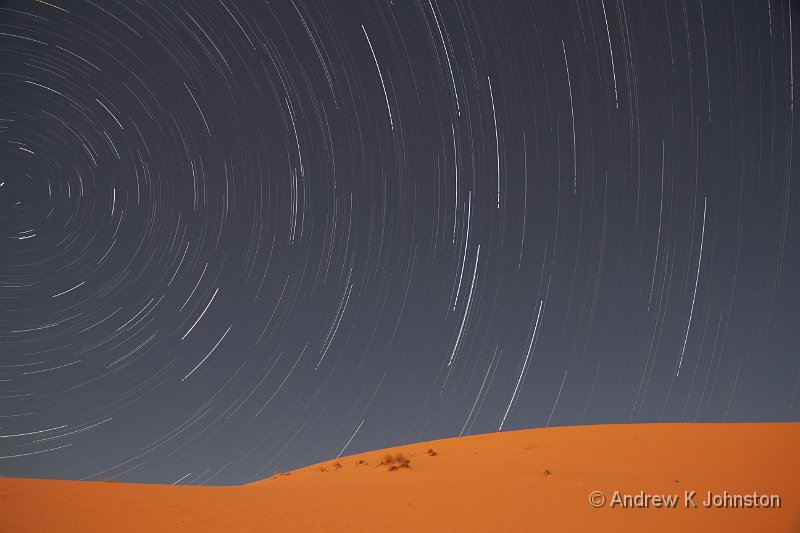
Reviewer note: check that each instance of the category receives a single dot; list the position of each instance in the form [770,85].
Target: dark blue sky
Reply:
[241,237]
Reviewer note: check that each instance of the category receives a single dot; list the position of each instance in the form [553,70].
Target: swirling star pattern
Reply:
[240,237]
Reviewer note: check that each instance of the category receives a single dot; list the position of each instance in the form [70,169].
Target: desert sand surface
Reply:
[529,480]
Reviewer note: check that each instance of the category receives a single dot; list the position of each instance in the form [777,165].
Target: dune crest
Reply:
[638,477]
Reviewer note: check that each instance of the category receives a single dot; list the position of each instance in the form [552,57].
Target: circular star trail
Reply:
[240,237]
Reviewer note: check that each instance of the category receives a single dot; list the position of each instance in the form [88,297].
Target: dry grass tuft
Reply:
[395,462]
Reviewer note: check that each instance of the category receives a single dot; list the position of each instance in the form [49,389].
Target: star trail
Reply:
[239,237]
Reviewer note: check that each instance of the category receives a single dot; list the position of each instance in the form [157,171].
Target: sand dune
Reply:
[531,480]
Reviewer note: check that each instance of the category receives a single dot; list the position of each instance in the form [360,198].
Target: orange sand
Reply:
[496,482]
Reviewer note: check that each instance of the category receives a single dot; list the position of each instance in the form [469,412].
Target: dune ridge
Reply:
[527,480]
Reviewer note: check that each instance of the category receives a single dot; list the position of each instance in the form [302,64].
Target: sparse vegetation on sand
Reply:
[396,461]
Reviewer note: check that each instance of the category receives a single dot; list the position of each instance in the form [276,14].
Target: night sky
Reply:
[239,237]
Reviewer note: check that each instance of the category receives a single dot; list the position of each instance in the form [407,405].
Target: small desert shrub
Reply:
[431,452]
[396,461]
[337,465]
